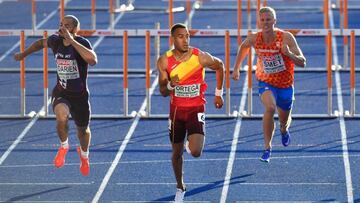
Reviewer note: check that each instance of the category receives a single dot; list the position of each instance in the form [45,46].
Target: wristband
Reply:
[218,92]
[169,87]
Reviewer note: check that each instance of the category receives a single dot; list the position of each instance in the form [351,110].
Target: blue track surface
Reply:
[130,158]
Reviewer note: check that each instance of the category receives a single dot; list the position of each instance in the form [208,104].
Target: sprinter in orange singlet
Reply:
[277,53]
[181,76]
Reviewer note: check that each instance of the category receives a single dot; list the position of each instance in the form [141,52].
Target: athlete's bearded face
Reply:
[267,22]
[181,39]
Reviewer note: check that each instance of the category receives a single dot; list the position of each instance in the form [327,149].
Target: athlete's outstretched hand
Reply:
[236,74]
[218,102]
[66,34]
[174,81]
[18,56]
[285,50]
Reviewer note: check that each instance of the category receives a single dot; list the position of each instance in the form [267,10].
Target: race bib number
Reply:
[273,64]
[187,90]
[201,117]
[67,70]
[169,124]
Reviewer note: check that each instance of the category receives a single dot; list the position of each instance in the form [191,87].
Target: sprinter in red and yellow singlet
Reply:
[181,76]
[277,53]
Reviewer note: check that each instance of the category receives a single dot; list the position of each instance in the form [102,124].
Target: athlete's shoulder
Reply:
[251,37]
[54,41]
[82,40]
[195,50]
[162,61]
[285,33]
[54,38]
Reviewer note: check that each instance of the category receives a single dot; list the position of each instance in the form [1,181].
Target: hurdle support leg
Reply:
[329,70]
[249,110]
[352,73]
[33,15]
[22,76]
[157,44]
[125,67]
[147,70]
[112,16]
[93,14]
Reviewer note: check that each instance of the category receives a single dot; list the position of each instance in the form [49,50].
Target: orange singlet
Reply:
[191,89]
[273,67]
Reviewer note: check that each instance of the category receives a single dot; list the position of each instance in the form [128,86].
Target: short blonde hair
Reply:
[267,9]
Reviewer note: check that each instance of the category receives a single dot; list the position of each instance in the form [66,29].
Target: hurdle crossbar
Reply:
[202,33]
[166,32]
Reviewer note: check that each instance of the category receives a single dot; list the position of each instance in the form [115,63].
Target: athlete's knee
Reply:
[176,156]
[270,109]
[62,118]
[62,125]
[196,153]
[83,129]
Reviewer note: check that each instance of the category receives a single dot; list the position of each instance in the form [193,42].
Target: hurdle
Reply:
[22,114]
[148,34]
[44,114]
[351,113]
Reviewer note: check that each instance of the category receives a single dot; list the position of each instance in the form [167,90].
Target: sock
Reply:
[84,154]
[65,144]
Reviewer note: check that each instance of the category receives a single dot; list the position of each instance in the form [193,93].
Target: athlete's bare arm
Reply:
[87,54]
[34,47]
[165,84]
[291,49]
[242,52]
[216,64]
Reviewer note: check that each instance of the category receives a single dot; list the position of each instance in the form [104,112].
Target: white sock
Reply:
[65,144]
[84,154]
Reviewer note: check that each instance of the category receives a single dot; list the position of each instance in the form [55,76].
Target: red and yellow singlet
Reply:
[273,66]
[191,89]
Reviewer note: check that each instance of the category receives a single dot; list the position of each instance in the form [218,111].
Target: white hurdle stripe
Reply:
[166,32]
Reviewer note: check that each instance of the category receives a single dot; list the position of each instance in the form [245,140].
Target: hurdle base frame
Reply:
[52,116]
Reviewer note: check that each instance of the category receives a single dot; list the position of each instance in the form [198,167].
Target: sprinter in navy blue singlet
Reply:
[70,96]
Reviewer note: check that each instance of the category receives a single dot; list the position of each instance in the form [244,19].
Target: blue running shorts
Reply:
[284,97]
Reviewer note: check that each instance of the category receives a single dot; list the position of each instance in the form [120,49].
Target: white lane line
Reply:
[100,39]
[189,160]
[345,152]
[36,184]
[144,201]
[235,141]
[37,27]
[122,147]
[233,146]
[261,184]
[191,14]
[27,128]
[32,201]
[287,201]
[19,138]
